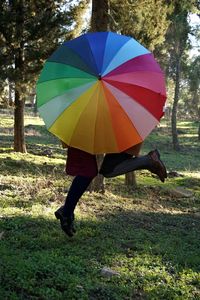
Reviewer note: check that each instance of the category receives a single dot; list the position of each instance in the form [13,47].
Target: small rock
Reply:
[80,287]
[173,174]
[107,272]
[1,235]
[197,214]
[181,192]
[47,152]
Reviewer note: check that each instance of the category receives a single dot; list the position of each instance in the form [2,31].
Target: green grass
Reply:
[150,237]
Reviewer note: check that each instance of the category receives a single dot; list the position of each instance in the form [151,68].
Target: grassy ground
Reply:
[149,236]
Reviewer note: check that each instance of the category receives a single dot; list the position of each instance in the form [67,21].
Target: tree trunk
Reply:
[130,180]
[174,108]
[99,22]
[19,139]
[199,124]
[10,90]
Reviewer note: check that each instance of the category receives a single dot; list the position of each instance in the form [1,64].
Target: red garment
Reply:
[81,163]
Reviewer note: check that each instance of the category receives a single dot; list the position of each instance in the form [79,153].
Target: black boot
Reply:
[66,222]
[150,162]
[156,165]
[112,160]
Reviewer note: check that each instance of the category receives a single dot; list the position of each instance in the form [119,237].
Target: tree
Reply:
[29,32]
[194,88]
[146,21]
[78,13]
[180,38]
[177,45]
[100,18]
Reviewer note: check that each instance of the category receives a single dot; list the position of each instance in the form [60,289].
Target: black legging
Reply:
[78,187]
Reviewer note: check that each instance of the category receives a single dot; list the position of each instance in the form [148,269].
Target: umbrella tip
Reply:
[99,76]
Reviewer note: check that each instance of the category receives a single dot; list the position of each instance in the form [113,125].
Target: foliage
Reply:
[78,13]
[146,21]
[177,45]
[150,237]
[194,86]
[29,32]
[32,30]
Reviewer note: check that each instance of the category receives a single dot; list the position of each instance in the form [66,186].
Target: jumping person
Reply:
[83,166]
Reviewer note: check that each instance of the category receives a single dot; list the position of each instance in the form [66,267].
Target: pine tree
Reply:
[100,20]
[194,88]
[78,13]
[29,32]
[177,45]
[145,20]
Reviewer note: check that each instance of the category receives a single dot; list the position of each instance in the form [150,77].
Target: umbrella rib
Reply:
[92,79]
[124,112]
[134,61]
[94,71]
[95,124]
[127,113]
[92,55]
[105,73]
[81,115]
[139,102]
[60,65]
[132,85]
[105,67]
[114,57]
[68,64]
[64,101]
[108,110]
[132,71]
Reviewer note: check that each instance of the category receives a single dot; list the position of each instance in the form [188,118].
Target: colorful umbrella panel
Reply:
[101,92]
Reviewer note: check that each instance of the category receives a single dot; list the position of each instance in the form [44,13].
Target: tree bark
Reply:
[10,98]
[130,180]
[199,124]
[99,20]
[175,140]
[19,138]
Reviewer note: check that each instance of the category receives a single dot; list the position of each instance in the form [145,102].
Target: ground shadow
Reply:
[44,253]
[34,134]
[19,166]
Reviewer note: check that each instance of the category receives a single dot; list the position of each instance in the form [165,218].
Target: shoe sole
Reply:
[162,164]
[163,173]
[59,217]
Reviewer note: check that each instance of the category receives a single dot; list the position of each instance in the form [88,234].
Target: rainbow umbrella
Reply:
[101,92]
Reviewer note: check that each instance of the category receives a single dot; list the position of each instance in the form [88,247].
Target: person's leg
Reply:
[112,160]
[135,150]
[66,213]
[78,187]
[150,162]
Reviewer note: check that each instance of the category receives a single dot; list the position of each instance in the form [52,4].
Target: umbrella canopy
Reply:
[101,92]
